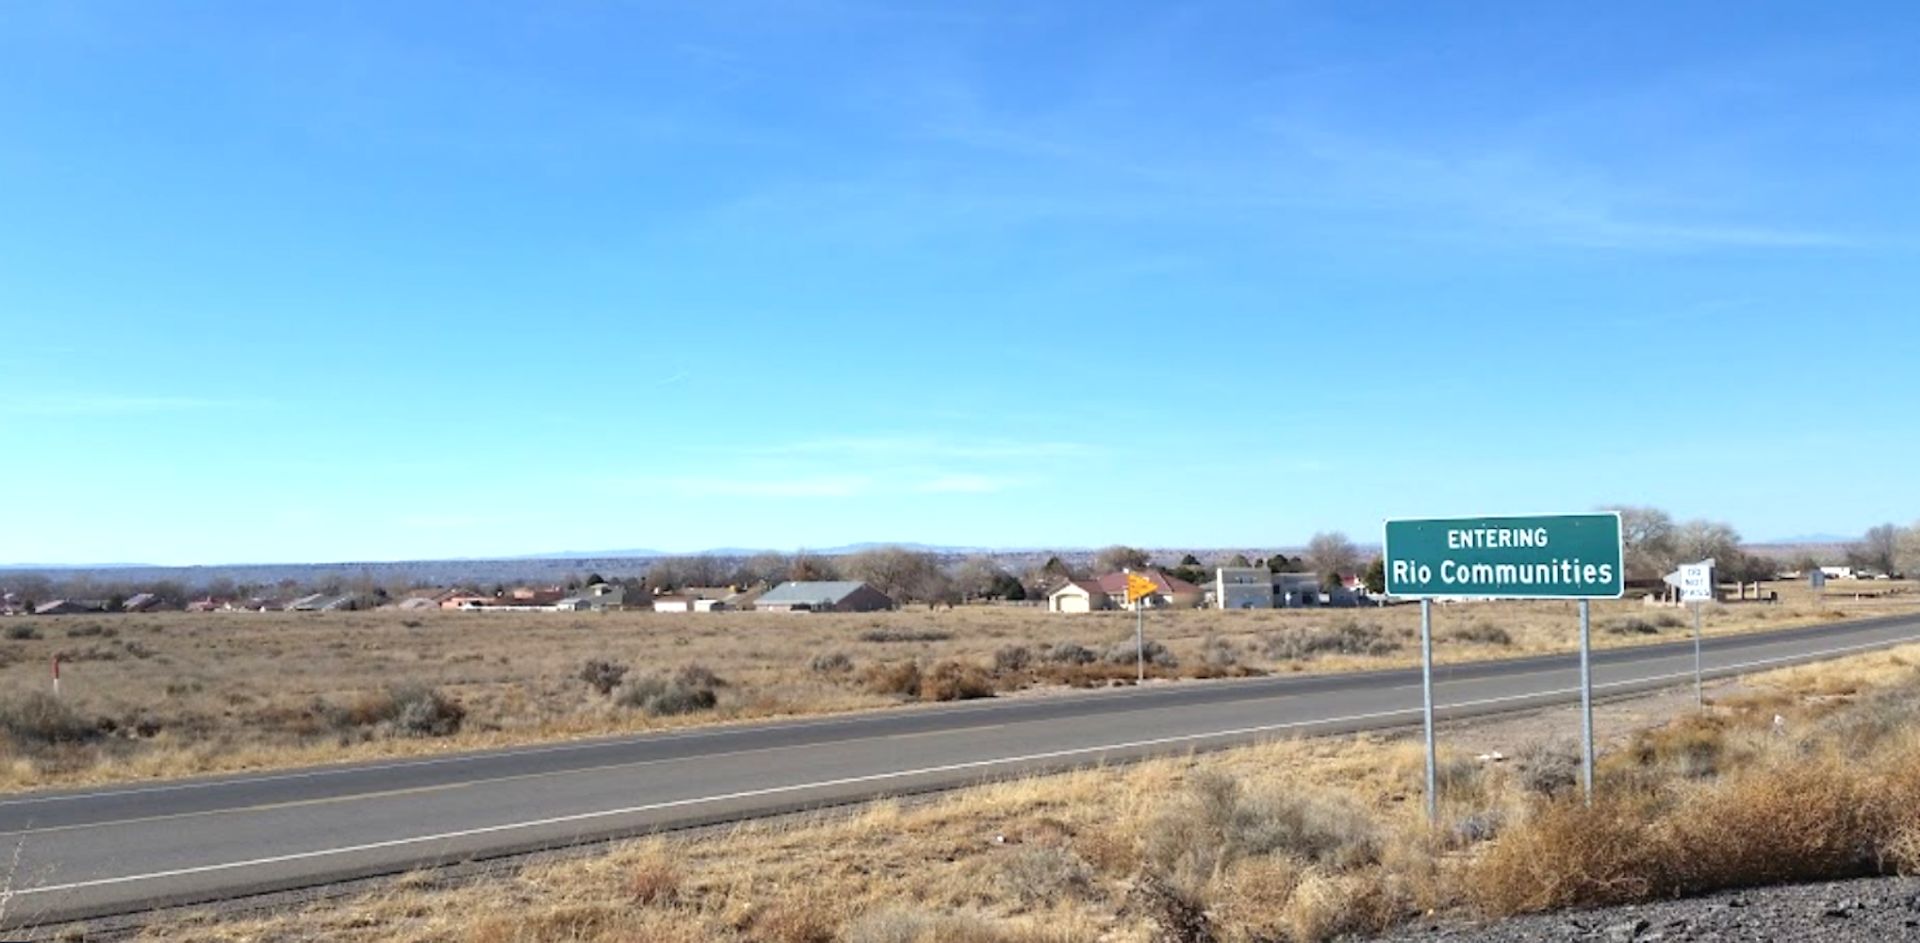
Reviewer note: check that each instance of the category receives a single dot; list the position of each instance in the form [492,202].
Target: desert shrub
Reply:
[1125,653]
[1217,822]
[1670,620]
[828,663]
[692,689]
[1347,637]
[1547,769]
[424,712]
[1217,654]
[1070,653]
[1630,625]
[905,635]
[1566,854]
[92,630]
[1482,631]
[1793,819]
[1692,746]
[654,880]
[602,675]
[1179,911]
[1012,658]
[1874,719]
[698,676]
[40,719]
[800,920]
[895,677]
[1040,874]
[22,633]
[955,681]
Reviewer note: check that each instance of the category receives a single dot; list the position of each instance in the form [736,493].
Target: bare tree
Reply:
[766,567]
[1907,551]
[1878,550]
[1705,540]
[1331,554]
[1647,536]
[978,577]
[808,566]
[1119,557]
[903,574]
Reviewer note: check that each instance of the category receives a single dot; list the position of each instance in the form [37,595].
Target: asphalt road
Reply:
[95,852]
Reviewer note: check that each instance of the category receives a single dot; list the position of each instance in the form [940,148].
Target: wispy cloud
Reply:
[106,405]
[1512,192]
[929,447]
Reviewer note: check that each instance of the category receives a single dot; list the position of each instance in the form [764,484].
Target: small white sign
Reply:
[1696,582]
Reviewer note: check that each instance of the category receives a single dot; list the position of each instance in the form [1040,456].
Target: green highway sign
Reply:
[1561,556]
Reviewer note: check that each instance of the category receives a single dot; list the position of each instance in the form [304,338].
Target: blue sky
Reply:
[381,281]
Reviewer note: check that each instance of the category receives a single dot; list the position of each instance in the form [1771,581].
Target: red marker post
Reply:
[56,676]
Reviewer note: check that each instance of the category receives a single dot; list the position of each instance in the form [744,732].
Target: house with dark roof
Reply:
[140,602]
[1169,592]
[823,596]
[67,607]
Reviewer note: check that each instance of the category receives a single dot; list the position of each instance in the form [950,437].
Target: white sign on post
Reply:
[1696,582]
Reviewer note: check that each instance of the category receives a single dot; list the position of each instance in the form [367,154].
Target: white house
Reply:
[1079,596]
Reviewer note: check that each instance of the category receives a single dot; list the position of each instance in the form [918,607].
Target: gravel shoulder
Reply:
[1860,911]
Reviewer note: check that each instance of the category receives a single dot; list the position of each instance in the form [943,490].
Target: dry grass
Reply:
[174,694]
[1298,840]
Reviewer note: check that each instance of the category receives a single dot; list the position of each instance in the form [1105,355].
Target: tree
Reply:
[768,567]
[903,575]
[1878,550]
[807,567]
[1331,554]
[1010,588]
[1239,560]
[1647,537]
[1119,557]
[595,579]
[979,577]
[1189,560]
[1907,551]
[1377,575]
[1705,540]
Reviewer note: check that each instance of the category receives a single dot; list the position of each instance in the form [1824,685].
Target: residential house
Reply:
[140,602]
[530,596]
[696,599]
[1249,587]
[1169,592]
[1257,588]
[417,604]
[209,604]
[1079,596]
[600,597]
[823,596]
[67,607]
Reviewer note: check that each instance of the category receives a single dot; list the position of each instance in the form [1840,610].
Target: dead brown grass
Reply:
[179,694]
[1302,840]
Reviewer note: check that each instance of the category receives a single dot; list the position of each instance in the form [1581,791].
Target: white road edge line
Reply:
[882,777]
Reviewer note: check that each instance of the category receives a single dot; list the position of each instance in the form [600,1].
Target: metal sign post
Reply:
[1699,686]
[1557,556]
[1586,698]
[1695,581]
[1426,698]
[1140,640]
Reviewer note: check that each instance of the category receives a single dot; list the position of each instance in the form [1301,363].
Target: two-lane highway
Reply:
[102,851]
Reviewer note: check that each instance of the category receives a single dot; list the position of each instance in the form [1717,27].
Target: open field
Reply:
[176,694]
[1300,840]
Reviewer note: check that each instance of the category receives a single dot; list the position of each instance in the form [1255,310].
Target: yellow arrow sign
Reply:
[1139,587]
